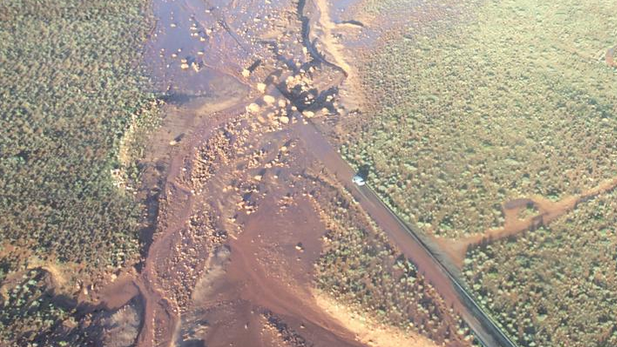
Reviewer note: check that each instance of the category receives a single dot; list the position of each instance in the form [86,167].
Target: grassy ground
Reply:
[71,89]
[360,267]
[69,93]
[556,286]
[517,102]
[514,103]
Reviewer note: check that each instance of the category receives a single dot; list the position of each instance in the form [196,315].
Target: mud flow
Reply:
[253,92]
[231,260]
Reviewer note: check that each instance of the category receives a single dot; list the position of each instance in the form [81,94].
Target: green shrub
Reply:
[515,102]
[555,286]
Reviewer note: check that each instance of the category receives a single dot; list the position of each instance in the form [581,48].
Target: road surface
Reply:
[409,242]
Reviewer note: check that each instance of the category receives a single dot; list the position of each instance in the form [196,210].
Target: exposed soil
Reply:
[232,257]
[251,270]
[119,327]
[548,211]
[610,57]
[231,261]
[369,331]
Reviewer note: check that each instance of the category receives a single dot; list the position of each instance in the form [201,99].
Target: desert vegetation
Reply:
[360,267]
[70,92]
[516,102]
[29,304]
[557,285]
[74,108]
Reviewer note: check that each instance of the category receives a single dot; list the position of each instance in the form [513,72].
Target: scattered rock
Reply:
[253,108]
[118,328]
[269,99]
[196,66]
[284,120]
[261,87]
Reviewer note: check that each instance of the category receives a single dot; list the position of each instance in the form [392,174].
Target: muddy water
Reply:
[208,56]
[341,10]
[191,52]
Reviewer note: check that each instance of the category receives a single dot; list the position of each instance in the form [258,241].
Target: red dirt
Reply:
[266,275]
[231,261]
[548,211]
[610,61]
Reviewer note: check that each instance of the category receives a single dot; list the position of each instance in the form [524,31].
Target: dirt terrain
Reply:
[240,224]
[544,211]
[232,259]
[245,190]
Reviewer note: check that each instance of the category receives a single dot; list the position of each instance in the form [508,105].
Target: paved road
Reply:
[409,242]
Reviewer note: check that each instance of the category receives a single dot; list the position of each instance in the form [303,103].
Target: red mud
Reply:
[610,60]
[231,261]
[397,232]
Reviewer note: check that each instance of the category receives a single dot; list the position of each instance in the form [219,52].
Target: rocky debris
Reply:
[299,247]
[289,335]
[118,328]
[253,108]
[269,99]
[308,114]
[196,66]
[184,64]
